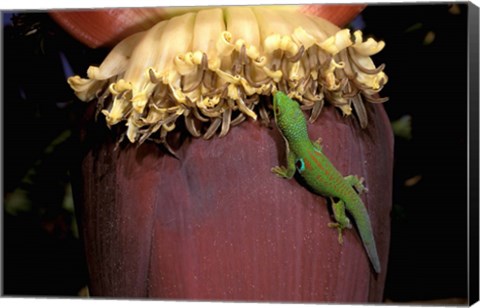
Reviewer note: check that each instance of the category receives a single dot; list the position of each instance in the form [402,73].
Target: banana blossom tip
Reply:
[211,67]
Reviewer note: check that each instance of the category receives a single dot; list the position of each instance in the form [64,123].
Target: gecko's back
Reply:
[320,174]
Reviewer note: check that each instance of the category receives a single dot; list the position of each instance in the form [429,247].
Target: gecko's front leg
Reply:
[318,144]
[288,171]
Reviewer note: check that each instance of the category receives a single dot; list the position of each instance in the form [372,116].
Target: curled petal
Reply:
[335,43]
[117,60]
[85,89]
[368,47]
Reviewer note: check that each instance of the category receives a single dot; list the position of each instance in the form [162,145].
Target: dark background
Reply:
[427,80]
[428,254]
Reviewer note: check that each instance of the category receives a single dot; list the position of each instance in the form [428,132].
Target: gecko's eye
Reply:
[300,165]
[277,110]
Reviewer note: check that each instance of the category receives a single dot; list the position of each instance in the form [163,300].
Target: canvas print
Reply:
[312,153]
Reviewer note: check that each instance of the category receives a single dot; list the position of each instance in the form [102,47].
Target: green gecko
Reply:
[320,175]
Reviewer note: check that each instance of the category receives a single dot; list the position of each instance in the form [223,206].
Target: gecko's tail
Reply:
[364,227]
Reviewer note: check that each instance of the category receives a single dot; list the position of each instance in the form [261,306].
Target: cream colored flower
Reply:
[210,67]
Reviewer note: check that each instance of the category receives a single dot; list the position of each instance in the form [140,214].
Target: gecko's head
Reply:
[286,110]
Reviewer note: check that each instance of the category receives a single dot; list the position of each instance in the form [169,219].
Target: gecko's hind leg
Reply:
[356,182]
[341,219]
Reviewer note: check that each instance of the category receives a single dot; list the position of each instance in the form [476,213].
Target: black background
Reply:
[428,255]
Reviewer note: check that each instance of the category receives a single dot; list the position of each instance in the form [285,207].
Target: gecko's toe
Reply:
[279,171]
